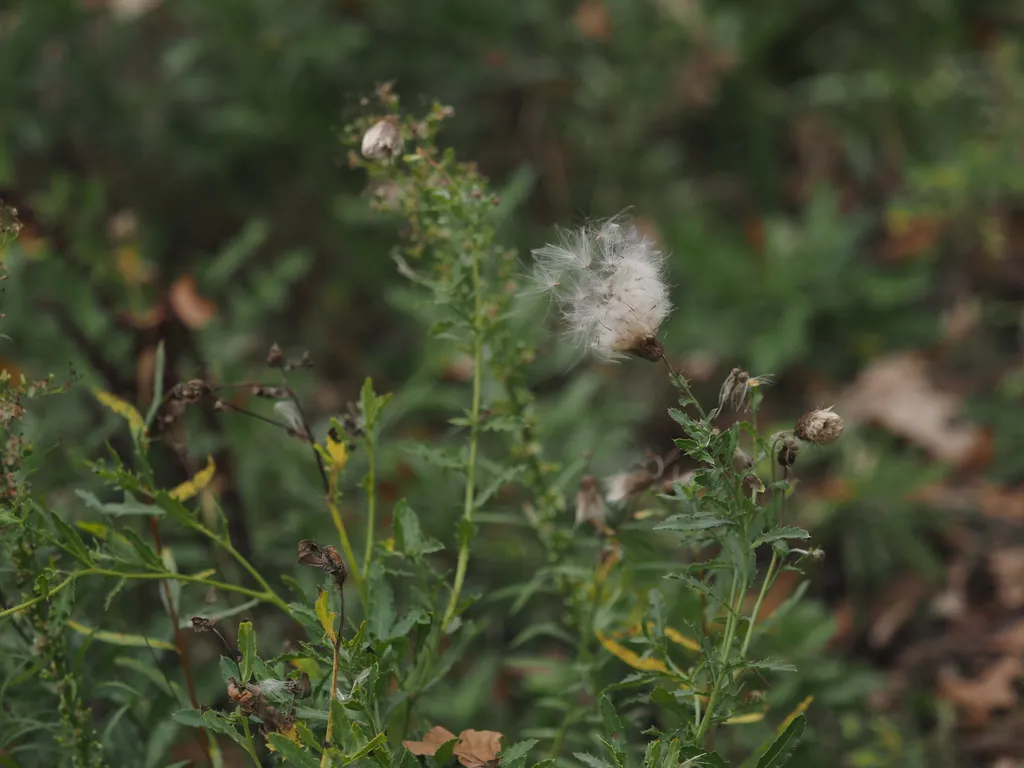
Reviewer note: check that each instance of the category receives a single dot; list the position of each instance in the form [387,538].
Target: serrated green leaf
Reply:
[516,752]
[292,752]
[70,540]
[366,749]
[590,760]
[685,523]
[247,647]
[782,748]
[409,536]
[777,534]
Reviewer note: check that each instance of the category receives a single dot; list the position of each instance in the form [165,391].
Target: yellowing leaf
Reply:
[750,717]
[632,659]
[200,480]
[289,733]
[308,666]
[800,709]
[125,410]
[326,615]
[96,529]
[679,638]
[120,638]
[337,450]
[389,544]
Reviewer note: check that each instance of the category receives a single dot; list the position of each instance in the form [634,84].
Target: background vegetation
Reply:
[840,188]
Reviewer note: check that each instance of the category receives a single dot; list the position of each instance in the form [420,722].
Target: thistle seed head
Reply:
[819,427]
[609,283]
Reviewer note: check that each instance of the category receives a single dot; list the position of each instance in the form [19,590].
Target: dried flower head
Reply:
[787,449]
[383,139]
[326,559]
[609,282]
[590,505]
[819,427]
[626,485]
[275,357]
[737,388]
[200,624]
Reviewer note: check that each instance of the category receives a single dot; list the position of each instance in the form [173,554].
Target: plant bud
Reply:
[819,427]
[789,447]
[383,140]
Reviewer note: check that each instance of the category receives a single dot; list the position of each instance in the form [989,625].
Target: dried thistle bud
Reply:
[752,485]
[290,414]
[383,139]
[301,688]
[819,427]
[786,455]
[270,393]
[199,624]
[275,357]
[590,505]
[191,391]
[326,559]
[734,389]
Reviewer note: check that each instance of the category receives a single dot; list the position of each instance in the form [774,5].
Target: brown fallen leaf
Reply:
[978,698]
[432,741]
[896,393]
[477,749]
[193,310]
[901,601]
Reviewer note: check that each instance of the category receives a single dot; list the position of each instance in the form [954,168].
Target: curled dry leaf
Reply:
[193,310]
[1007,568]
[432,741]
[475,749]
[993,689]
[896,393]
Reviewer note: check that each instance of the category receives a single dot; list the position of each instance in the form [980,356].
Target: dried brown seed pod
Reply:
[819,427]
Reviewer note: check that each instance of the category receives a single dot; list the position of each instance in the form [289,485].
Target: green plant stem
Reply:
[346,545]
[268,596]
[325,760]
[717,684]
[250,745]
[474,434]
[371,500]
[769,577]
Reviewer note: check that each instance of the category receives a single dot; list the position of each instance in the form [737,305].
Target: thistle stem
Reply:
[474,434]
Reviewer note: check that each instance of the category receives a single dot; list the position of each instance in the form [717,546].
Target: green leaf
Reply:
[782,749]
[773,666]
[70,540]
[691,523]
[699,758]
[409,536]
[247,647]
[381,602]
[664,698]
[366,749]
[190,717]
[517,752]
[292,752]
[113,593]
[777,534]
[158,383]
[614,737]
[593,762]
[130,506]
[147,555]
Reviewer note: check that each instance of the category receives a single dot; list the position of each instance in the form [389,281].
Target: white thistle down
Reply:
[609,282]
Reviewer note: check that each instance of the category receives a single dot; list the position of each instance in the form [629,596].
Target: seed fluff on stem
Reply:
[609,283]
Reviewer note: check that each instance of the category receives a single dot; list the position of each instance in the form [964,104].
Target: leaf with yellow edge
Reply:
[632,659]
[289,733]
[125,410]
[199,481]
[337,452]
[96,529]
[325,614]
[120,638]
[800,709]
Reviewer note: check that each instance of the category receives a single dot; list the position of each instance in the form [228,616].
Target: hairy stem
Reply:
[474,434]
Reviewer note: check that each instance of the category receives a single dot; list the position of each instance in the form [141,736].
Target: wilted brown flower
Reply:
[199,624]
[787,451]
[819,427]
